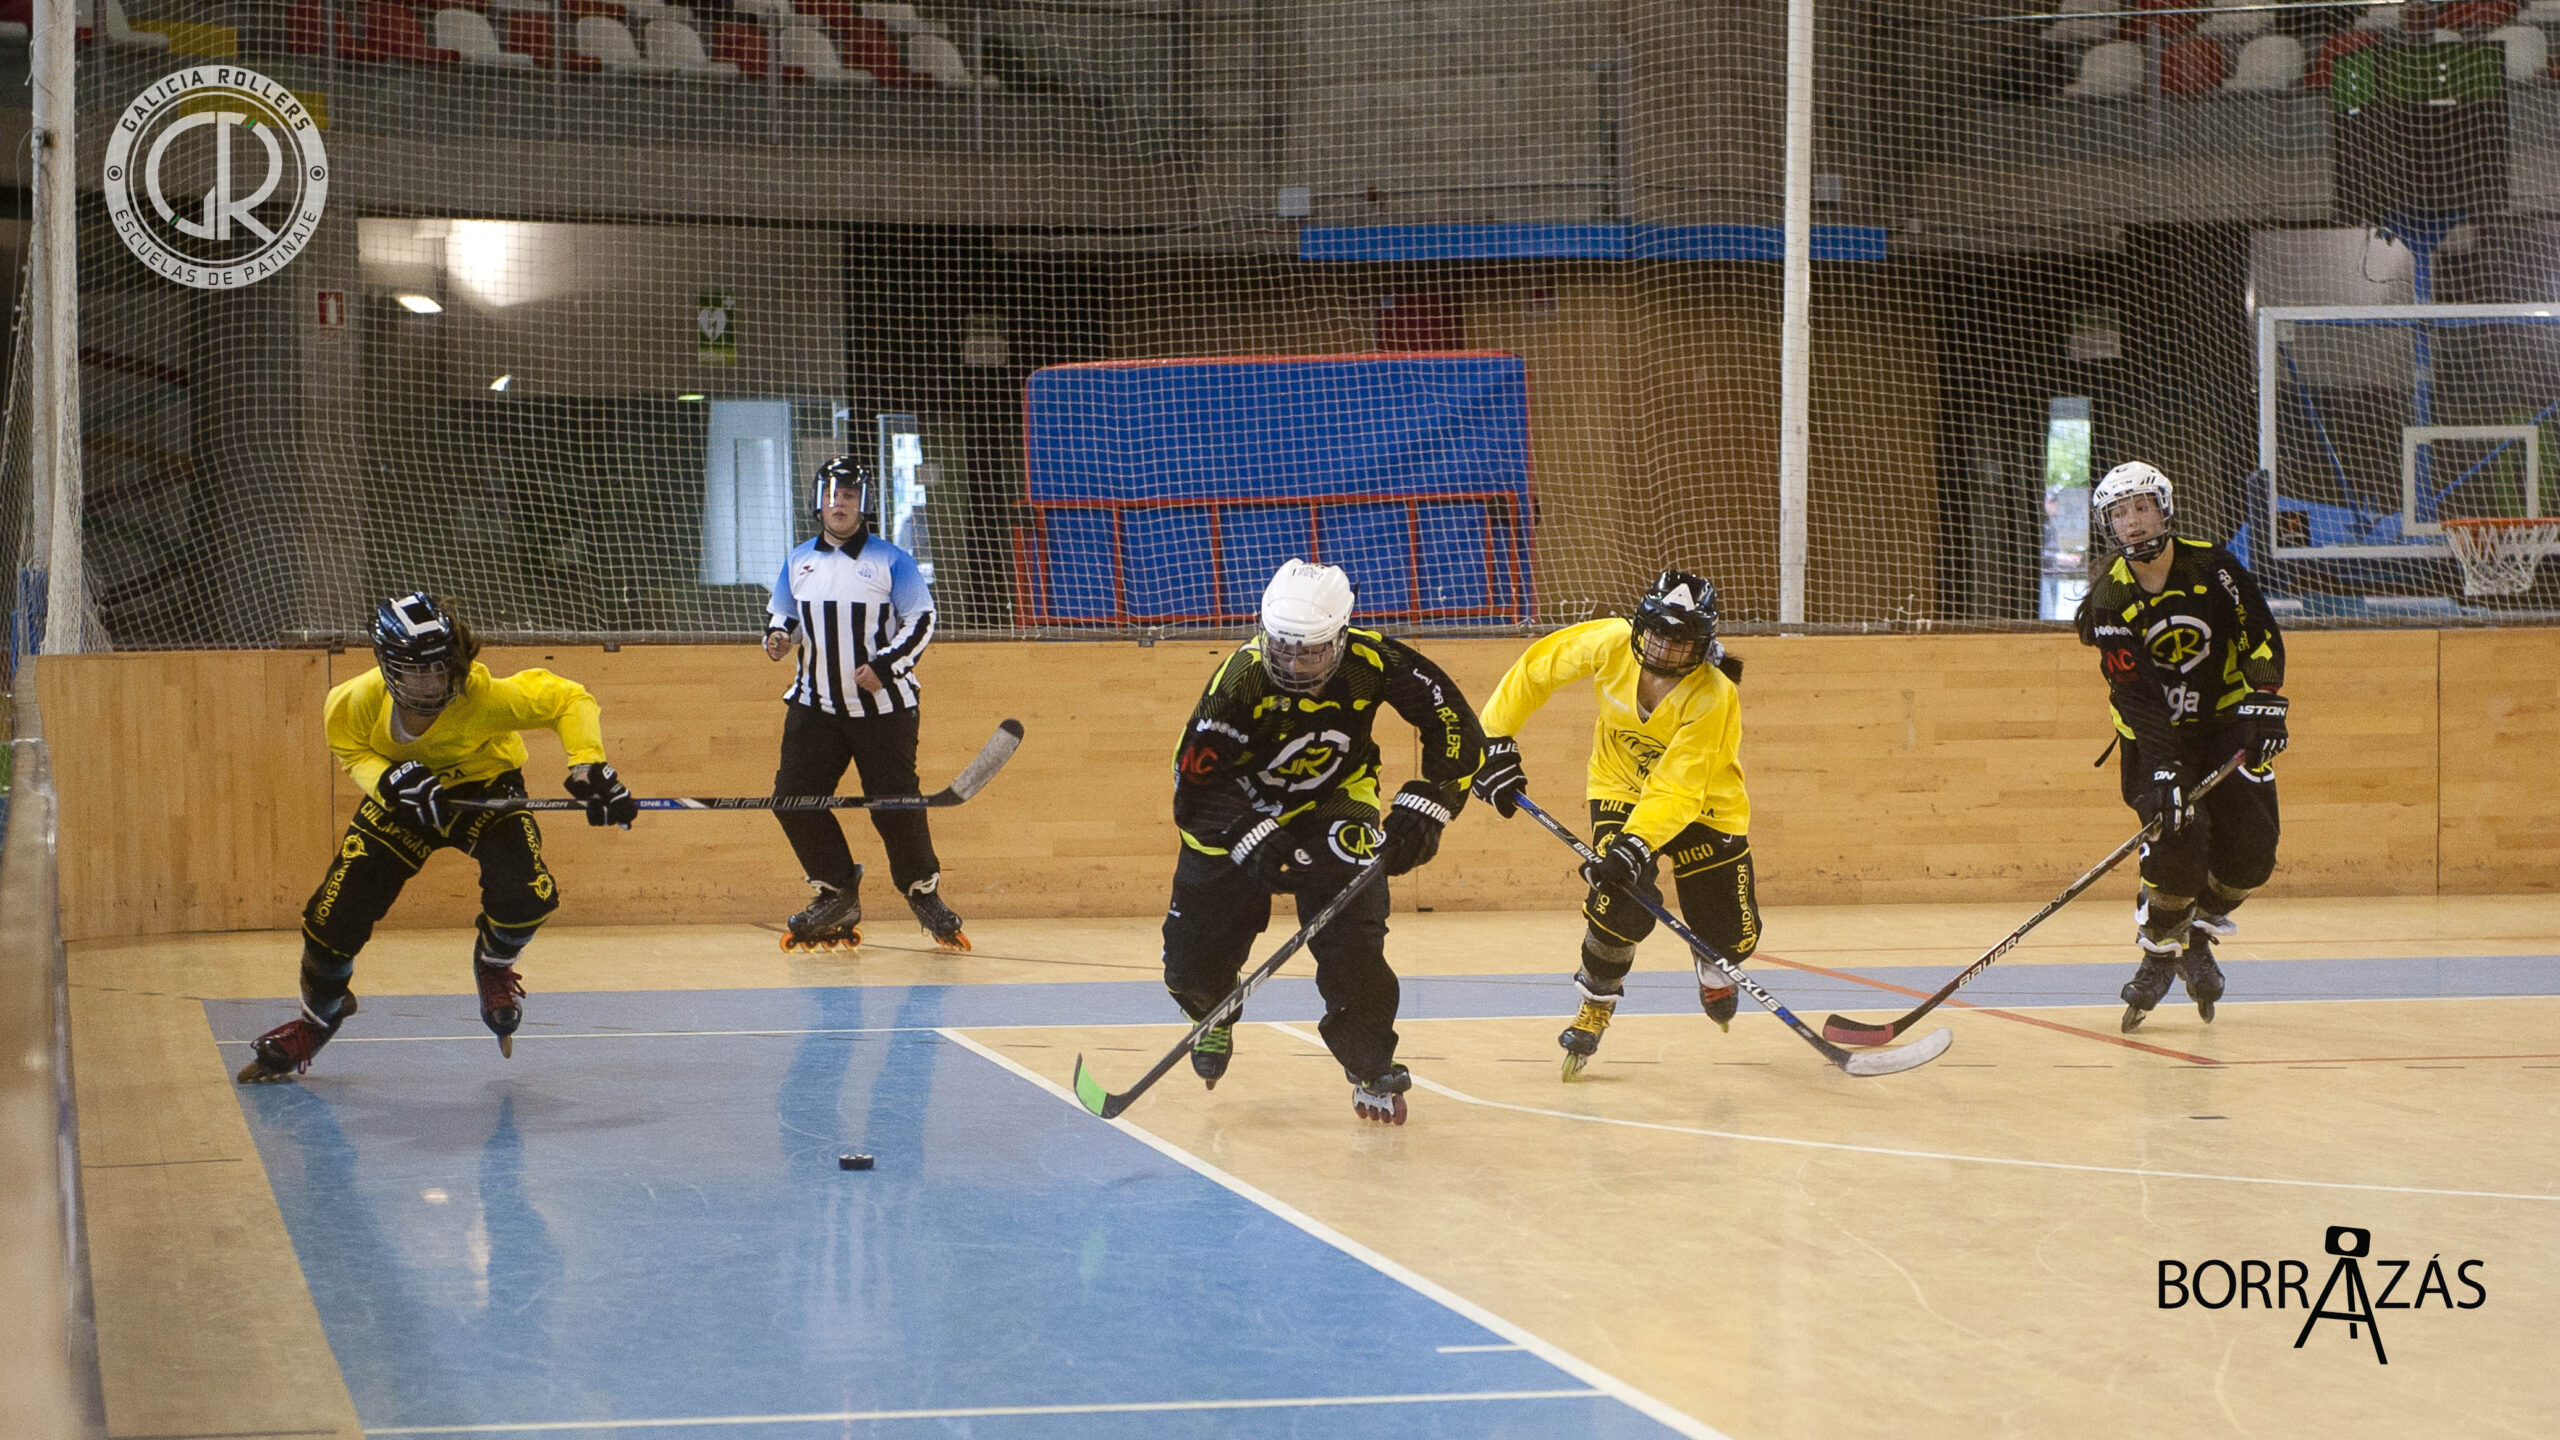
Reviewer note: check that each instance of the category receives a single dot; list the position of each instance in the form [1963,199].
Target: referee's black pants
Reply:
[816,748]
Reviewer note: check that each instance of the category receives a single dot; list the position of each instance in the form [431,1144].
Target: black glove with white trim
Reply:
[1500,782]
[415,795]
[1413,827]
[2262,732]
[1622,864]
[2173,801]
[608,800]
[1273,858]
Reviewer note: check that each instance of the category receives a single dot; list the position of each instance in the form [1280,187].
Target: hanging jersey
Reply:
[2177,661]
[1253,751]
[474,738]
[1679,764]
[851,606]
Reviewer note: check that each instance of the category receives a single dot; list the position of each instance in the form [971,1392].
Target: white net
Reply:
[2499,557]
[599,283]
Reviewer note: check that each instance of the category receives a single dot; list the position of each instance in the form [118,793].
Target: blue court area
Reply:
[646,1226]
[640,1218]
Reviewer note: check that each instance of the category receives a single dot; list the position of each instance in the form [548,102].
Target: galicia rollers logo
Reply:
[2214,1284]
[215,177]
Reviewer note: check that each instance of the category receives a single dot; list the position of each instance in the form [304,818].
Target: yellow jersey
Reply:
[474,738]
[1682,763]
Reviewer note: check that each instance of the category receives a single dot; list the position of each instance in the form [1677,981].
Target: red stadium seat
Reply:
[529,32]
[741,43]
[304,34]
[2191,67]
[866,44]
[2168,25]
[393,32]
[2476,15]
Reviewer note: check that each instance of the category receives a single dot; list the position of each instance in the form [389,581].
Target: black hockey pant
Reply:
[1209,930]
[2229,851]
[1710,869]
[816,748]
[380,851]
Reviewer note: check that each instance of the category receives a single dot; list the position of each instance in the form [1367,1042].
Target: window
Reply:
[746,492]
[2064,572]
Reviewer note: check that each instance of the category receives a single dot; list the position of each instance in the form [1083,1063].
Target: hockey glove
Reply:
[1413,827]
[2173,802]
[1622,864]
[415,795]
[608,800]
[1499,782]
[1272,857]
[2262,733]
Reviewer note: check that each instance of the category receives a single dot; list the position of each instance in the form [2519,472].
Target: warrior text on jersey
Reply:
[849,606]
[1681,763]
[2175,661]
[1254,751]
[474,738]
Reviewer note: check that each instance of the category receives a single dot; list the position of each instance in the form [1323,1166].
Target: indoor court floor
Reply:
[638,1224]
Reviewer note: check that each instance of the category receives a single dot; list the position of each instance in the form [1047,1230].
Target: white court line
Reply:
[980,1412]
[1579,1369]
[1463,1097]
[1472,1349]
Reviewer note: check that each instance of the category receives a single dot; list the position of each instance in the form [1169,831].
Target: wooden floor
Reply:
[1717,1221]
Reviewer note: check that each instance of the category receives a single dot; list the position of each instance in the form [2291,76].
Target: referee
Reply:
[861,614]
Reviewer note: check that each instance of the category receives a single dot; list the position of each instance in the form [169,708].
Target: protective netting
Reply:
[600,283]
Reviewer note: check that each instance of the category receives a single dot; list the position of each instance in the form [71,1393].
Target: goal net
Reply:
[554,306]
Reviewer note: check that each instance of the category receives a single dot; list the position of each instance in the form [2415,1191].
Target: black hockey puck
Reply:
[853,1162]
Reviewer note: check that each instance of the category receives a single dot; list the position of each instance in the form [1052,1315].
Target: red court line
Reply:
[2003,1014]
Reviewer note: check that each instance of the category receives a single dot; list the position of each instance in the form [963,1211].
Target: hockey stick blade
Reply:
[972,778]
[1107,1105]
[1872,1063]
[1842,1030]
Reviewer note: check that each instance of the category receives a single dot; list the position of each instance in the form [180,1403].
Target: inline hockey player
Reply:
[427,726]
[1276,792]
[1665,781]
[861,613]
[2195,667]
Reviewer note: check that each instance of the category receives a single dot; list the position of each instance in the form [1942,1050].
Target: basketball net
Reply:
[2498,554]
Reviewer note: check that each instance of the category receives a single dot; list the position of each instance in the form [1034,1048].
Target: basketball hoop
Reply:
[2498,553]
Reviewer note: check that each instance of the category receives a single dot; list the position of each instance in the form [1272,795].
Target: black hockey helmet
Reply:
[842,473]
[425,651]
[1675,624]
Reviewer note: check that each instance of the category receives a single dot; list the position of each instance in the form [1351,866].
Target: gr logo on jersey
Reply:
[1352,841]
[216,177]
[1308,761]
[2179,642]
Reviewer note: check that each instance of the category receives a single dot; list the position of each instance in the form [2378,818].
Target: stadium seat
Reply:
[807,54]
[2110,71]
[2268,63]
[2238,25]
[2337,45]
[530,33]
[2528,53]
[114,30]
[2480,16]
[2382,19]
[2191,67]
[901,19]
[392,33]
[2167,25]
[467,34]
[933,55]
[2541,12]
[772,12]
[608,42]
[865,43]
[673,44]
[740,43]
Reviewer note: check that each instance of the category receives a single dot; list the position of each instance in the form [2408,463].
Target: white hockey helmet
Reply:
[1305,611]
[2126,481]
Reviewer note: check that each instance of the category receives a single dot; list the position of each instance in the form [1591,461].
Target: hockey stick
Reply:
[1107,1105]
[1869,1063]
[972,778]
[1845,1031]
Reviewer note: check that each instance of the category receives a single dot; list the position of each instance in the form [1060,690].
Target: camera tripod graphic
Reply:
[2350,1245]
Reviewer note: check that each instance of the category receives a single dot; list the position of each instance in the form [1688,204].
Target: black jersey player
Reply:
[2195,668]
[1276,792]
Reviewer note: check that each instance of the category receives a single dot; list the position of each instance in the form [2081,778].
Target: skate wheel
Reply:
[2204,1009]
[507,1047]
[1573,1066]
[958,944]
[2132,1019]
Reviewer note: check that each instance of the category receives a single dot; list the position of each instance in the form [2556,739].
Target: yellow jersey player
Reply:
[1665,781]
[427,726]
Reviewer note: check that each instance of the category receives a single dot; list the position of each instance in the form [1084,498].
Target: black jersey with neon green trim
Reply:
[1253,751]
[2177,662]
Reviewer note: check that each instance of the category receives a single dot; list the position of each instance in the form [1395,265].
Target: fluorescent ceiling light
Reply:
[420,305]
[501,382]
[690,397]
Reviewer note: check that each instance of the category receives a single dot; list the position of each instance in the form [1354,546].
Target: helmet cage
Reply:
[2120,487]
[423,653]
[1302,667]
[1674,627]
[837,475]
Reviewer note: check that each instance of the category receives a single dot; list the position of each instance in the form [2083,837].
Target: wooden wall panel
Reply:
[197,793]
[2501,734]
[194,788]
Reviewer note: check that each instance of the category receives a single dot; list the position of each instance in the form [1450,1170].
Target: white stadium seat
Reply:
[815,56]
[2270,62]
[2108,72]
[467,33]
[608,42]
[674,45]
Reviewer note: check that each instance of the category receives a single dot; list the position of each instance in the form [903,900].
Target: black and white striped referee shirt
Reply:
[851,606]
